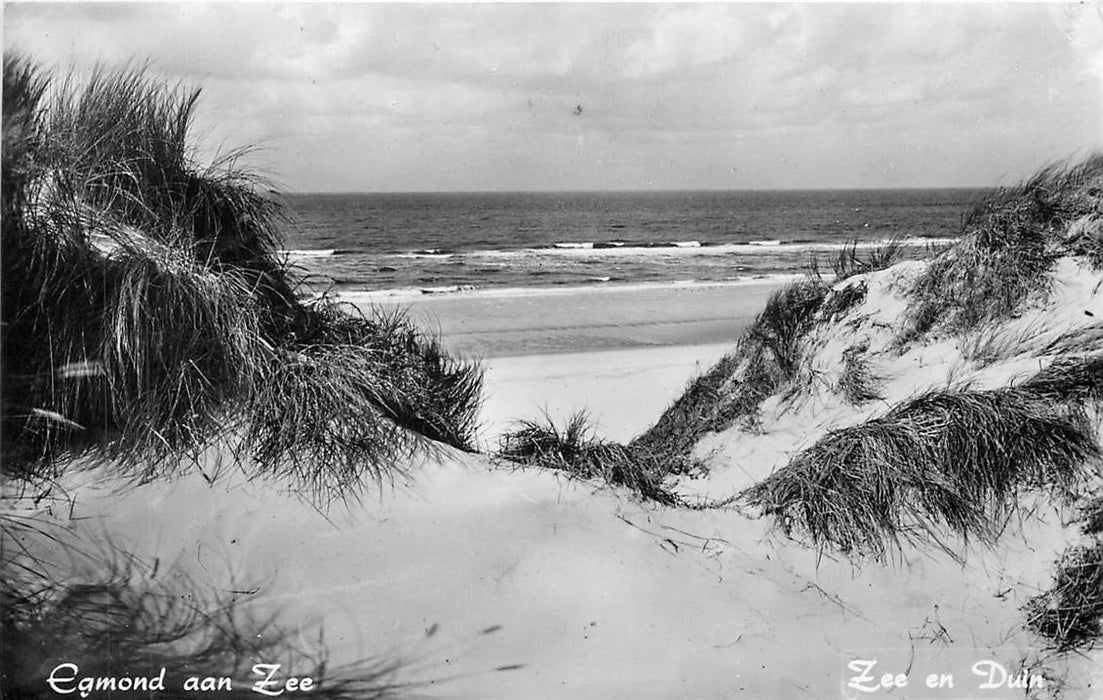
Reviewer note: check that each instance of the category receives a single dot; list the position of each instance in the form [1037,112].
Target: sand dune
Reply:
[492,582]
[579,592]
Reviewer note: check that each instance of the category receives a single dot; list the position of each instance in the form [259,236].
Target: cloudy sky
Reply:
[420,97]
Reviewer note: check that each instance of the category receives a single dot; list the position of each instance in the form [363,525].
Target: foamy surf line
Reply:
[625,248]
[696,248]
[398,296]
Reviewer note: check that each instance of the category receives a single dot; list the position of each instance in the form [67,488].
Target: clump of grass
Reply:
[575,450]
[953,459]
[317,415]
[138,350]
[359,393]
[1071,612]
[430,392]
[1010,241]
[858,382]
[971,285]
[121,142]
[848,262]
[130,349]
[1070,378]
[148,312]
[785,320]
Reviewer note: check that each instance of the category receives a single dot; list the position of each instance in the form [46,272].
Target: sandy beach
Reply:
[622,391]
[538,321]
[620,353]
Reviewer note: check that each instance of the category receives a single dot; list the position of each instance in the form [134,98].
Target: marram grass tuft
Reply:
[148,313]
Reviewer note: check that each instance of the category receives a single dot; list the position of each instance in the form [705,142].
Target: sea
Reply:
[434,243]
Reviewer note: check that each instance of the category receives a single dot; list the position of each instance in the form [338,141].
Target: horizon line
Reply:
[638,191]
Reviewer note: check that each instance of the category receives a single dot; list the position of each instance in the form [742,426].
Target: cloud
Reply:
[447,96]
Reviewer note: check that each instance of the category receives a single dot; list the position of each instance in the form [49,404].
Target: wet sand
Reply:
[512,322]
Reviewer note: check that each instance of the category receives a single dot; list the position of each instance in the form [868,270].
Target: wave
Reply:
[691,248]
[634,248]
[311,253]
[618,245]
[427,254]
[449,289]
[597,285]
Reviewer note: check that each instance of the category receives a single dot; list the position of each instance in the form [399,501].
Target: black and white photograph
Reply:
[570,350]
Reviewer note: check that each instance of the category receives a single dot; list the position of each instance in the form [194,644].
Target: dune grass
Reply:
[858,382]
[851,261]
[1077,378]
[575,450]
[1010,240]
[148,312]
[784,321]
[1070,613]
[847,261]
[161,336]
[429,392]
[944,460]
[354,397]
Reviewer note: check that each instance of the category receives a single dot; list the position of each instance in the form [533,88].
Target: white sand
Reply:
[595,595]
[623,391]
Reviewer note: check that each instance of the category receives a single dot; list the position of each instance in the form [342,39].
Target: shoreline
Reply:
[517,322]
[406,294]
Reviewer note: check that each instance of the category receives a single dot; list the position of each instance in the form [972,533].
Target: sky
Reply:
[585,96]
